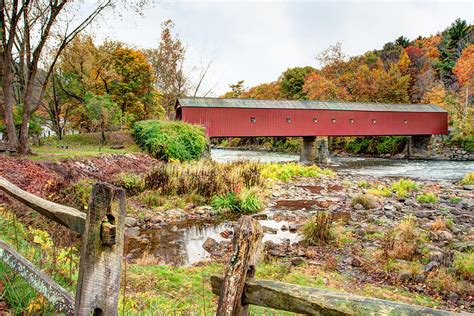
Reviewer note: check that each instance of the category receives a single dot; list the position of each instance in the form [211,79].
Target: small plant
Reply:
[454,200]
[438,224]
[250,202]
[463,264]
[427,198]
[365,200]
[318,229]
[78,193]
[247,202]
[343,236]
[468,179]
[226,202]
[403,187]
[131,182]
[152,198]
[380,191]
[403,241]
[362,184]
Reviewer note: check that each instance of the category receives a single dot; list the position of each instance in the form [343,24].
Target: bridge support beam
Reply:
[419,146]
[315,150]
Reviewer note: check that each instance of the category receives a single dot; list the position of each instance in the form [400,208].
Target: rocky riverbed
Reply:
[360,248]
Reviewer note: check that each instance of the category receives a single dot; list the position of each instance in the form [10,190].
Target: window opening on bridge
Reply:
[315,120]
[333,121]
[351,121]
[253,119]
[374,121]
[405,121]
[288,119]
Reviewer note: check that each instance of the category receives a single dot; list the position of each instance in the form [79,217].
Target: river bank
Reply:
[412,237]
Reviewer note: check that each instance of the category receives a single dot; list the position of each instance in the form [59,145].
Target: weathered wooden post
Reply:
[100,264]
[246,244]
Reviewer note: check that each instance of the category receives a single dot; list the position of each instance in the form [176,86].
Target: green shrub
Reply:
[318,229]
[427,198]
[365,200]
[171,140]
[374,145]
[287,171]
[464,264]
[403,187]
[468,178]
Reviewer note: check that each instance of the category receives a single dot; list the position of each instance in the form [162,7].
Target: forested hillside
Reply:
[438,69]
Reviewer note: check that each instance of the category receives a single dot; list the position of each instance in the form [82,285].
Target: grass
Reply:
[403,241]
[463,264]
[468,179]
[288,171]
[83,145]
[37,247]
[427,198]
[206,178]
[366,200]
[131,182]
[246,202]
[318,229]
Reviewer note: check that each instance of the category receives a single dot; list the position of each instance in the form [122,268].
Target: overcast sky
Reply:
[256,41]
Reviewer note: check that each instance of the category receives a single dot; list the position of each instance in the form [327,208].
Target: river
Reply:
[417,169]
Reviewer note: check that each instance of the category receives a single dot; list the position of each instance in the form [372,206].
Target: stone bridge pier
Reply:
[420,146]
[315,150]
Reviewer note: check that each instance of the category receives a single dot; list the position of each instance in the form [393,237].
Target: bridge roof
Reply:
[306,105]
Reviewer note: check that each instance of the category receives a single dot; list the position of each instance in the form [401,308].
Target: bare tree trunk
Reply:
[7,86]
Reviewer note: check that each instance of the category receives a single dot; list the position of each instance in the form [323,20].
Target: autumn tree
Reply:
[33,35]
[167,61]
[454,39]
[132,87]
[103,113]
[292,81]
[111,69]
[317,87]
[269,91]
[236,90]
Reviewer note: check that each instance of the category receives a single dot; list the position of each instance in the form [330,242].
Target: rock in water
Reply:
[210,245]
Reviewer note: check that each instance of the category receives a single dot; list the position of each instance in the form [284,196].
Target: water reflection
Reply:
[182,246]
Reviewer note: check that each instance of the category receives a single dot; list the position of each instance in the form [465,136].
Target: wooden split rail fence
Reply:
[98,284]
[100,262]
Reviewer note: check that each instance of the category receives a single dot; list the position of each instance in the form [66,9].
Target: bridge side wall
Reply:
[244,122]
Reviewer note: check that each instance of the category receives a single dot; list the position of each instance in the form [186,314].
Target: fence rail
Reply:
[102,231]
[238,289]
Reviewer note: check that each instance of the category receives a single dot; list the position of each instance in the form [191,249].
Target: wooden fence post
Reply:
[246,243]
[100,264]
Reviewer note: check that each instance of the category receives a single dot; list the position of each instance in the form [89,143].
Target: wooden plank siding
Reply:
[238,122]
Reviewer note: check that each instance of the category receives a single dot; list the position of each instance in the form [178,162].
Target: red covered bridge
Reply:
[307,119]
